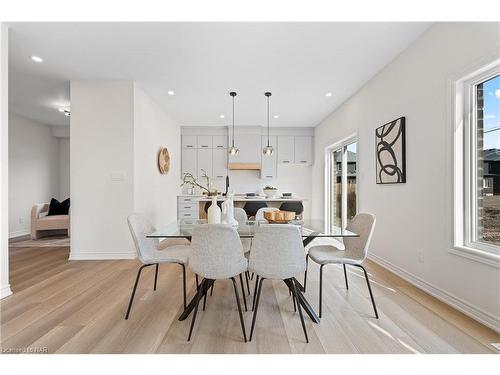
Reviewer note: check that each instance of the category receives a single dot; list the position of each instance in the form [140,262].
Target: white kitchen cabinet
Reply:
[189,161]
[205,161]
[249,145]
[189,141]
[269,162]
[219,163]
[303,150]
[204,141]
[219,141]
[286,147]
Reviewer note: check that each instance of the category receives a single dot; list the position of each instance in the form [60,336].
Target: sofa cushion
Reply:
[58,208]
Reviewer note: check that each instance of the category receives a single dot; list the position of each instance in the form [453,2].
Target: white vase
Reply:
[228,212]
[214,212]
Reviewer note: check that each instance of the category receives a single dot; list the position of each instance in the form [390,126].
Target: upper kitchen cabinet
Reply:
[205,162]
[219,141]
[249,145]
[189,141]
[269,162]
[219,163]
[303,150]
[204,141]
[286,146]
[189,161]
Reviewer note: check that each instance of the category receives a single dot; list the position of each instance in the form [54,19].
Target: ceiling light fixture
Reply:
[61,109]
[268,150]
[170,92]
[233,150]
[67,113]
[328,94]
[37,59]
[276,116]
[222,116]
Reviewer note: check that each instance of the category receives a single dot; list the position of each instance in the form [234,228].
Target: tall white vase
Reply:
[228,212]
[214,213]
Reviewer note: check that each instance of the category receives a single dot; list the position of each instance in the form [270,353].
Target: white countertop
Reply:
[204,198]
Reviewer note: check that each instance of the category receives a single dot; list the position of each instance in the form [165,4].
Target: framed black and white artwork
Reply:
[390,148]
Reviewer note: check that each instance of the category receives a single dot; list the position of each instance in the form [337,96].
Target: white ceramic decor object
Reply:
[214,212]
[228,212]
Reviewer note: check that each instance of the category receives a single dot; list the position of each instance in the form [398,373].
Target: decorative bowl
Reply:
[271,193]
[279,216]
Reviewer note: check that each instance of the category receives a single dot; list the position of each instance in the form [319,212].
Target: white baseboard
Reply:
[459,304]
[81,255]
[5,291]
[19,233]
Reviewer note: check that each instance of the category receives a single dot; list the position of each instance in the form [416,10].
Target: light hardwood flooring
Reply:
[79,306]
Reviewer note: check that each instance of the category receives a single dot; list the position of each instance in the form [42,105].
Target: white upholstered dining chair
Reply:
[277,253]
[150,253]
[217,254]
[356,250]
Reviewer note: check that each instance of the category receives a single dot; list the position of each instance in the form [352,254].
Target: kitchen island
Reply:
[193,206]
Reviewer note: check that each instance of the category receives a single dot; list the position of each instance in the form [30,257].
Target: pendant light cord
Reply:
[233,121]
[268,114]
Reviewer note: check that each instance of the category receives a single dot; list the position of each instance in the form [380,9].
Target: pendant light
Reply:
[233,150]
[268,150]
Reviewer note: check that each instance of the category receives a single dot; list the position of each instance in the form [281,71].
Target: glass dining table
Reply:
[310,229]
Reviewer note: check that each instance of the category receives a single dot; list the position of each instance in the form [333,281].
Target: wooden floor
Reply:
[78,307]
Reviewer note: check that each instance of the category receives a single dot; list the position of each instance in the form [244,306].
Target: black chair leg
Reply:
[248,283]
[305,273]
[256,307]
[197,284]
[243,292]
[370,290]
[320,289]
[205,300]
[255,292]
[300,309]
[135,288]
[345,277]
[198,298]
[184,285]
[212,289]
[156,276]
[294,304]
[239,308]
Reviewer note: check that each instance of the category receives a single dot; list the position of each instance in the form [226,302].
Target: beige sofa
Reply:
[42,225]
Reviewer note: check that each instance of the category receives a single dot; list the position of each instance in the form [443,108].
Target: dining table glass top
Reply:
[309,228]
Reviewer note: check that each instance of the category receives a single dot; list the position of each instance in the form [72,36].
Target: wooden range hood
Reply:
[244,166]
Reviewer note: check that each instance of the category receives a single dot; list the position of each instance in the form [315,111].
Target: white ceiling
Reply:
[202,62]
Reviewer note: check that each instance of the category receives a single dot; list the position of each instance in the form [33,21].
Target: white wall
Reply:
[155,195]
[4,162]
[417,216]
[33,170]
[102,169]
[64,168]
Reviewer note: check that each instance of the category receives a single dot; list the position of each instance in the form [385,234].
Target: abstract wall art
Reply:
[390,149]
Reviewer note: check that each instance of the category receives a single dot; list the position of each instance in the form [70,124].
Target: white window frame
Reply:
[465,168]
[353,138]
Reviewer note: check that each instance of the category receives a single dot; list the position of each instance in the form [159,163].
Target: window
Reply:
[477,165]
[341,178]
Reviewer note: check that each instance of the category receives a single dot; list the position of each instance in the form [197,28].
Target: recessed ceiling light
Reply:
[222,116]
[170,93]
[61,109]
[328,94]
[276,116]
[37,59]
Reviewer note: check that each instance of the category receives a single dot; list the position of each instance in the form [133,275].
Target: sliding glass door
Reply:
[342,183]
